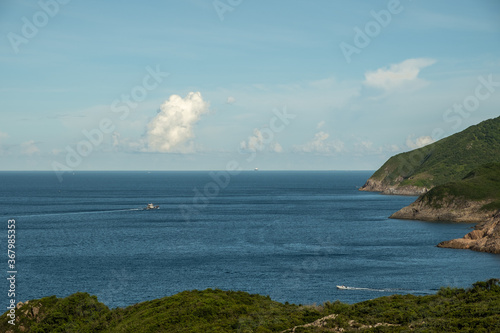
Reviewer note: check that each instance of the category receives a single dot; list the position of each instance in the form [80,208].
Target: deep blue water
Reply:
[291,235]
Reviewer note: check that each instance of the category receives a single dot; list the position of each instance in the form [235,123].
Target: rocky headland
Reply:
[454,210]
[456,178]
[474,199]
[374,185]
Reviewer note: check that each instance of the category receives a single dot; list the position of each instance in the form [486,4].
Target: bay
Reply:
[292,235]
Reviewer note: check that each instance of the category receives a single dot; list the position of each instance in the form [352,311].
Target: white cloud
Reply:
[230,100]
[56,151]
[320,124]
[394,148]
[172,128]
[276,147]
[321,145]
[404,74]
[365,145]
[418,142]
[29,148]
[260,141]
[116,139]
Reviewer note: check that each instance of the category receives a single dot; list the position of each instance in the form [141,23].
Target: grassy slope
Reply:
[449,159]
[482,183]
[450,310]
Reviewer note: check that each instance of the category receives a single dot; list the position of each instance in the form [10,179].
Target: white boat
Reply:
[342,287]
[151,206]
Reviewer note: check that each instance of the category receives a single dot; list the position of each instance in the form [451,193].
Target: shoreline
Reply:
[486,234]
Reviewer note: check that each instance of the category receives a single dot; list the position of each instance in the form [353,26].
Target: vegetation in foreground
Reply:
[475,309]
[446,160]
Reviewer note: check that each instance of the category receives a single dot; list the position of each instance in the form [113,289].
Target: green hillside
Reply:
[482,183]
[450,310]
[449,159]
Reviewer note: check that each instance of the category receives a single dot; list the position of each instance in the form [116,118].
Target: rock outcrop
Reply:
[373,185]
[484,238]
[453,210]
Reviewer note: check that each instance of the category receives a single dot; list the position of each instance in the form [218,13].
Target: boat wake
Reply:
[83,212]
[370,289]
[390,290]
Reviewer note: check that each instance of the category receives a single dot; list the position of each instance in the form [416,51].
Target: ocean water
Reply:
[291,235]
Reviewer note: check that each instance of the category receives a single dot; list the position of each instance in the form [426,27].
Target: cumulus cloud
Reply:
[418,142]
[261,141]
[404,74]
[29,148]
[321,144]
[172,128]
[230,100]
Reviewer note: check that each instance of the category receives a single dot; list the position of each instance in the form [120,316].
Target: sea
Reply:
[292,235]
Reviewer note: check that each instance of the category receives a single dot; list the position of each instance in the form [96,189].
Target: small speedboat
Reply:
[342,287]
[151,206]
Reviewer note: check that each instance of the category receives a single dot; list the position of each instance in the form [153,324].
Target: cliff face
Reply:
[485,237]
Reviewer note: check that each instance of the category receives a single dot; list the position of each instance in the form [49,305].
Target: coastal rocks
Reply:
[485,237]
[452,210]
[405,190]
[373,185]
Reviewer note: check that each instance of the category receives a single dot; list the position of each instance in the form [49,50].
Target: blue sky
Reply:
[196,84]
